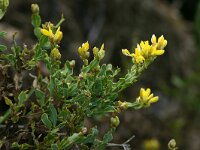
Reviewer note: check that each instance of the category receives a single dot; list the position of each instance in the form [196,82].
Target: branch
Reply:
[125,145]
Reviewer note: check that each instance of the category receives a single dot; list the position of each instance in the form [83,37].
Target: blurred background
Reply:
[174,77]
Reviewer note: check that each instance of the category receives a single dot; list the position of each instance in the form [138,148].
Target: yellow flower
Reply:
[99,54]
[156,52]
[151,144]
[161,42]
[58,35]
[146,98]
[158,46]
[83,50]
[145,49]
[48,32]
[139,58]
[53,37]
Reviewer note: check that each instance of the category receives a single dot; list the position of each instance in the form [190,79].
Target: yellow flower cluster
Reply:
[54,37]
[146,98]
[83,51]
[144,50]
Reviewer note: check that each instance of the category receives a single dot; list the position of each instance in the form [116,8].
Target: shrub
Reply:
[50,113]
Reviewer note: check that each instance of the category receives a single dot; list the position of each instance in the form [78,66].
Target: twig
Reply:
[61,21]
[125,145]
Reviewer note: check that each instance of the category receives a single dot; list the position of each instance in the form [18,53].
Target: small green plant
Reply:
[50,113]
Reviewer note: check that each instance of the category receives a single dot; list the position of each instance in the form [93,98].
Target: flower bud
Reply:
[172,144]
[80,77]
[4,4]
[72,63]
[114,121]
[122,105]
[55,54]
[101,54]
[151,144]
[35,8]
[95,52]
[83,131]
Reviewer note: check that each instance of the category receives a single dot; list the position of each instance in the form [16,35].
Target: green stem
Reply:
[61,21]
[5,116]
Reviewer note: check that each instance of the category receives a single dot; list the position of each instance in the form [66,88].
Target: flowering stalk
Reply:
[144,55]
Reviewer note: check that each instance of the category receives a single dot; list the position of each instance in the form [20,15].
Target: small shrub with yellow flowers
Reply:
[50,113]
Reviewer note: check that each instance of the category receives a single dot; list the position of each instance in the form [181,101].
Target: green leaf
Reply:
[54,147]
[91,136]
[1,143]
[51,86]
[54,131]
[36,20]
[99,145]
[92,65]
[8,101]
[2,48]
[11,59]
[46,121]
[40,97]
[2,34]
[44,42]
[22,97]
[103,70]
[1,14]
[24,146]
[68,142]
[37,32]
[53,114]
[3,7]
[108,137]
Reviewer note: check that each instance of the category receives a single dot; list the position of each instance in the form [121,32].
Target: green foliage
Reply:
[52,110]
[3,7]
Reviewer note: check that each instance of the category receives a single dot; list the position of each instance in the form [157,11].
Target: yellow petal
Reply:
[51,33]
[126,52]
[158,52]
[85,46]
[58,35]
[161,39]
[142,92]
[164,43]
[154,99]
[142,44]
[102,47]
[153,39]
[138,58]
[80,50]
[150,96]
[137,51]
[148,91]
[45,32]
